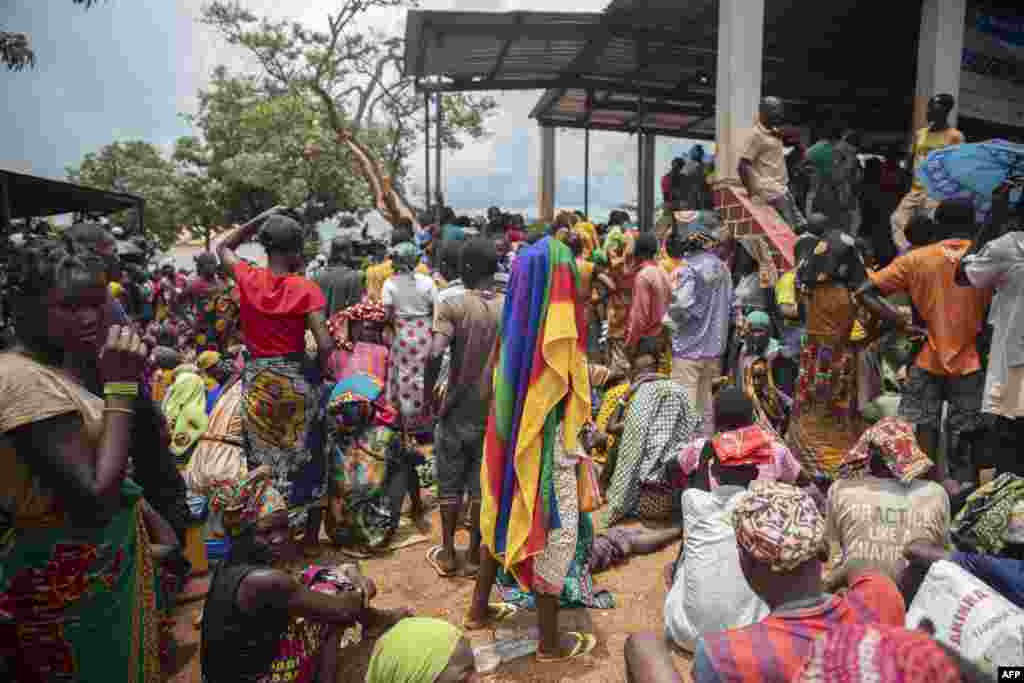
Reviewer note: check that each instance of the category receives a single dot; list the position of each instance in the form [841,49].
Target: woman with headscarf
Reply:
[262,624]
[421,650]
[277,306]
[409,298]
[754,372]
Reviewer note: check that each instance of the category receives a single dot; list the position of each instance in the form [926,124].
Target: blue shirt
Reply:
[701,307]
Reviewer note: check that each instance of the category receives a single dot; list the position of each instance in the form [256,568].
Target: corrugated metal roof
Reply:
[645,62]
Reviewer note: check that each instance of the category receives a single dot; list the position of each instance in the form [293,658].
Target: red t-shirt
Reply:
[273,309]
[773,649]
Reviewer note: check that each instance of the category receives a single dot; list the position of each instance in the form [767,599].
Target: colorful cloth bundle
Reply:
[541,378]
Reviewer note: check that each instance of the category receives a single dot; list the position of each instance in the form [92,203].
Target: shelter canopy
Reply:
[650,64]
[31,196]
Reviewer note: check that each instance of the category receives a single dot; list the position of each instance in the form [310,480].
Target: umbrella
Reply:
[972,171]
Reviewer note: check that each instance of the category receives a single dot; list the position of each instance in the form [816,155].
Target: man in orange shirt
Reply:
[948,368]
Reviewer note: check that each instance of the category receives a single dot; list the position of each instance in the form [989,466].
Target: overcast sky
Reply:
[127,69]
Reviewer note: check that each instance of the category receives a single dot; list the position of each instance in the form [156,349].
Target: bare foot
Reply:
[378,621]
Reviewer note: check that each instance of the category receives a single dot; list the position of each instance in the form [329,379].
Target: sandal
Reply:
[500,611]
[436,564]
[585,644]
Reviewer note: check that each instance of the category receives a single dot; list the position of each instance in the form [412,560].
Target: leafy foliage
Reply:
[16,50]
[355,75]
[136,167]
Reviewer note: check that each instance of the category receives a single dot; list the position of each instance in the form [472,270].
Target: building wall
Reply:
[992,80]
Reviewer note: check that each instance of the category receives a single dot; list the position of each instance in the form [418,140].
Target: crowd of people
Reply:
[813,444]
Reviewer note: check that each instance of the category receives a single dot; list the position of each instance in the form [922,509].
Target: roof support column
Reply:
[586,172]
[546,193]
[5,205]
[647,182]
[939,55]
[738,79]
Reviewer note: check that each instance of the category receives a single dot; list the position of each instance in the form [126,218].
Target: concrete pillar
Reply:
[546,192]
[939,55]
[738,80]
[647,194]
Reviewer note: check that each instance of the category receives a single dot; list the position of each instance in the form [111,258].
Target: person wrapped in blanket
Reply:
[261,623]
[595,553]
[541,400]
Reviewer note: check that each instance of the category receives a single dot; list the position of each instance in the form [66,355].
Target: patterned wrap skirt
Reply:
[279,412]
[825,423]
[410,350]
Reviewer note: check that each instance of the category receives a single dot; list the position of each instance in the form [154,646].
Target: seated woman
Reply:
[755,376]
[707,590]
[658,416]
[738,432]
[882,501]
[75,575]
[421,650]
[260,623]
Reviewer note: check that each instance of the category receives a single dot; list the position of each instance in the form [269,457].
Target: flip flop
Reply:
[501,610]
[436,564]
[585,644]
[355,553]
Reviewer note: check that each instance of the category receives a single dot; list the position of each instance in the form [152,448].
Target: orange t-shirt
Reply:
[954,314]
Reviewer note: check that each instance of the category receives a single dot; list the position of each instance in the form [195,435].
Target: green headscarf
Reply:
[415,650]
[185,410]
[405,257]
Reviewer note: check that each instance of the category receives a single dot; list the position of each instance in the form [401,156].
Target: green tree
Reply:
[16,49]
[355,76]
[136,167]
[266,146]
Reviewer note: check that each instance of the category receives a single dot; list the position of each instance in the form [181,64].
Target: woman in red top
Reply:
[280,401]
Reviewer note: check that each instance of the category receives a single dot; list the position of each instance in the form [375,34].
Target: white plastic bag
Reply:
[973,619]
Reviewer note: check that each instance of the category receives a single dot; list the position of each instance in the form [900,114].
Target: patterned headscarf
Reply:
[244,502]
[893,439]
[405,257]
[881,654]
[779,525]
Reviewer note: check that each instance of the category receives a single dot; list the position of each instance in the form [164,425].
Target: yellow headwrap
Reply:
[415,650]
[185,409]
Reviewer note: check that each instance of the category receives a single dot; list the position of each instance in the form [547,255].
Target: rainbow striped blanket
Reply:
[541,378]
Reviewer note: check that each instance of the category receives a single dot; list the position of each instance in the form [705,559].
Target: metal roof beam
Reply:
[499,61]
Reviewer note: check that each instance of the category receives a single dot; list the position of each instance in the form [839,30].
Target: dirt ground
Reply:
[404,579]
